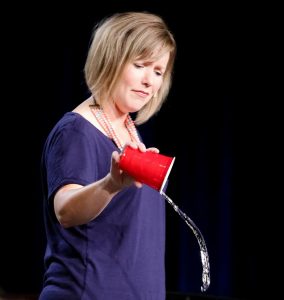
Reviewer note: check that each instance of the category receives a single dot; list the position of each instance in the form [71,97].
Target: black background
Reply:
[219,122]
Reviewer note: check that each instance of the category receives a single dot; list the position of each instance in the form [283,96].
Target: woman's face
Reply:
[139,82]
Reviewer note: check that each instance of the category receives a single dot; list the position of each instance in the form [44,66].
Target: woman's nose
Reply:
[147,79]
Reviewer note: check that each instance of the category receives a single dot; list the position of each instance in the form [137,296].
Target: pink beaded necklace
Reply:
[104,121]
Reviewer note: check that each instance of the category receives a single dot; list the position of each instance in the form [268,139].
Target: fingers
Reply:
[141,147]
[134,145]
[115,157]
[120,177]
[138,184]
[131,144]
[153,149]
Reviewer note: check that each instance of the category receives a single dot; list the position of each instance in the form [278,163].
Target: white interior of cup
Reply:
[167,175]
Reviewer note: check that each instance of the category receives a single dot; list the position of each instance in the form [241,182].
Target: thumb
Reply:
[115,157]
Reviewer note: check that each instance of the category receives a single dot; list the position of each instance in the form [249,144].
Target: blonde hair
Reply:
[120,39]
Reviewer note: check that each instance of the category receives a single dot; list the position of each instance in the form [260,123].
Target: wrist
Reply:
[111,186]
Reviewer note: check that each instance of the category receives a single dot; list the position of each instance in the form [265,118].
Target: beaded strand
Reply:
[104,121]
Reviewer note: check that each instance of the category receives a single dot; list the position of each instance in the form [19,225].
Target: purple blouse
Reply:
[118,255]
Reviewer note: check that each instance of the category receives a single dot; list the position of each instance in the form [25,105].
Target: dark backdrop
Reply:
[210,123]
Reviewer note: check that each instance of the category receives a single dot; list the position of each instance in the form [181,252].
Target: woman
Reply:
[106,232]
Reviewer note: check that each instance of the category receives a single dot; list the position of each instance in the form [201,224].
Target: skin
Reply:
[140,80]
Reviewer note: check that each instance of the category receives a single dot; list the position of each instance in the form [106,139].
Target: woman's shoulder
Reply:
[75,119]
[71,124]
[71,121]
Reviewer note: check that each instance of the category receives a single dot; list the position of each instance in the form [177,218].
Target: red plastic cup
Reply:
[147,167]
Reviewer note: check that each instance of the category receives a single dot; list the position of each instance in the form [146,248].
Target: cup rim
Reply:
[167,175]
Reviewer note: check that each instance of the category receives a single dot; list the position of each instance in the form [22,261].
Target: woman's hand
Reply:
[142,147]
[121,178]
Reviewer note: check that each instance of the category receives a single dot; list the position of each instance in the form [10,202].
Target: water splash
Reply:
[203,249]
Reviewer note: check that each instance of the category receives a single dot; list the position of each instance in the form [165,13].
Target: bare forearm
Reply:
[76,205]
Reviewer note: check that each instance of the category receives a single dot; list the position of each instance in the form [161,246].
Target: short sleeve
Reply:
[69,159]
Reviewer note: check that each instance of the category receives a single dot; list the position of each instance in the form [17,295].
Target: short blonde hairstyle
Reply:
[123,38]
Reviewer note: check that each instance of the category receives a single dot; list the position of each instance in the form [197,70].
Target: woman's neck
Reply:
[116,117]
[120,135]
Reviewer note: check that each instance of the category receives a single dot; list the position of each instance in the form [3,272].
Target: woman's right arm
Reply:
[76,204]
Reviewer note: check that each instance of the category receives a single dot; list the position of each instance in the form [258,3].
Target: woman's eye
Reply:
[138,66]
